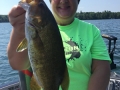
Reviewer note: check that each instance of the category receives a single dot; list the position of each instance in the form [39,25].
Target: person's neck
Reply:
[64,22]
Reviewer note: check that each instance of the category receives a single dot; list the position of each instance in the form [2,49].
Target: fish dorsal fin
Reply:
[22,46]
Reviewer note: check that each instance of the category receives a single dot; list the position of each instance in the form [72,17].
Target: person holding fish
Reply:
[86,55]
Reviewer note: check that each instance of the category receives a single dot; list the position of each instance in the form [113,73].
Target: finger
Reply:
[17,20]
[20,19]
[17,15]
[16,11]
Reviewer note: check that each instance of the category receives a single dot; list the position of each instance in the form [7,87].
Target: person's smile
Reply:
[64,10]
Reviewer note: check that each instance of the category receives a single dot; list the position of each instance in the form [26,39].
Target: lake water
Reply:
[7,75]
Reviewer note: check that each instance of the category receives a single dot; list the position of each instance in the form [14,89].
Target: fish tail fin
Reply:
[65,82]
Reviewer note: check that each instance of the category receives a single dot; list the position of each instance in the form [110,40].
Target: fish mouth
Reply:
[34,26]
[31,24]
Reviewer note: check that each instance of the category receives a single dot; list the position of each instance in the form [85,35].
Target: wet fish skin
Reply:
[45,48]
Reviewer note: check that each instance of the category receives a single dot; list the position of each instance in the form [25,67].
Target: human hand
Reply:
[17,19]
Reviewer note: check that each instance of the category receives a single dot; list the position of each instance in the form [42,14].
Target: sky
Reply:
[84,5]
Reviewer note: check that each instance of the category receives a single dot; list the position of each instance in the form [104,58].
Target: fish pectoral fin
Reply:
[22,46]
[34,85]
[65,82]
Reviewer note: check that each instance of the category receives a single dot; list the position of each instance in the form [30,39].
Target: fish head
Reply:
[38,18]
[38,13]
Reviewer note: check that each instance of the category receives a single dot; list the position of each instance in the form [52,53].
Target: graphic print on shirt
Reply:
[72,47]
[72,50]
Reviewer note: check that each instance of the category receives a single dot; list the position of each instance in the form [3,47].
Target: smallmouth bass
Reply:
[45,48]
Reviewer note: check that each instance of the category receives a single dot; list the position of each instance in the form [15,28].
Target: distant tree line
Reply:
[4,18]
[98,15]
[84,15]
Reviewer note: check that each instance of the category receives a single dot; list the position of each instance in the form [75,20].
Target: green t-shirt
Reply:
[82,42]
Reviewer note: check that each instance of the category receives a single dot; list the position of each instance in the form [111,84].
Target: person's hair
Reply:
[78,1]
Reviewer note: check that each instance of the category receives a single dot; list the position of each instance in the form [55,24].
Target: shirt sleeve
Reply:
[99,50]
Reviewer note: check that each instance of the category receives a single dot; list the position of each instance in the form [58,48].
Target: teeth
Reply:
[63,7]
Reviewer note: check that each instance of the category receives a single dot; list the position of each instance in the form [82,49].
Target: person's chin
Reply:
[64,13]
